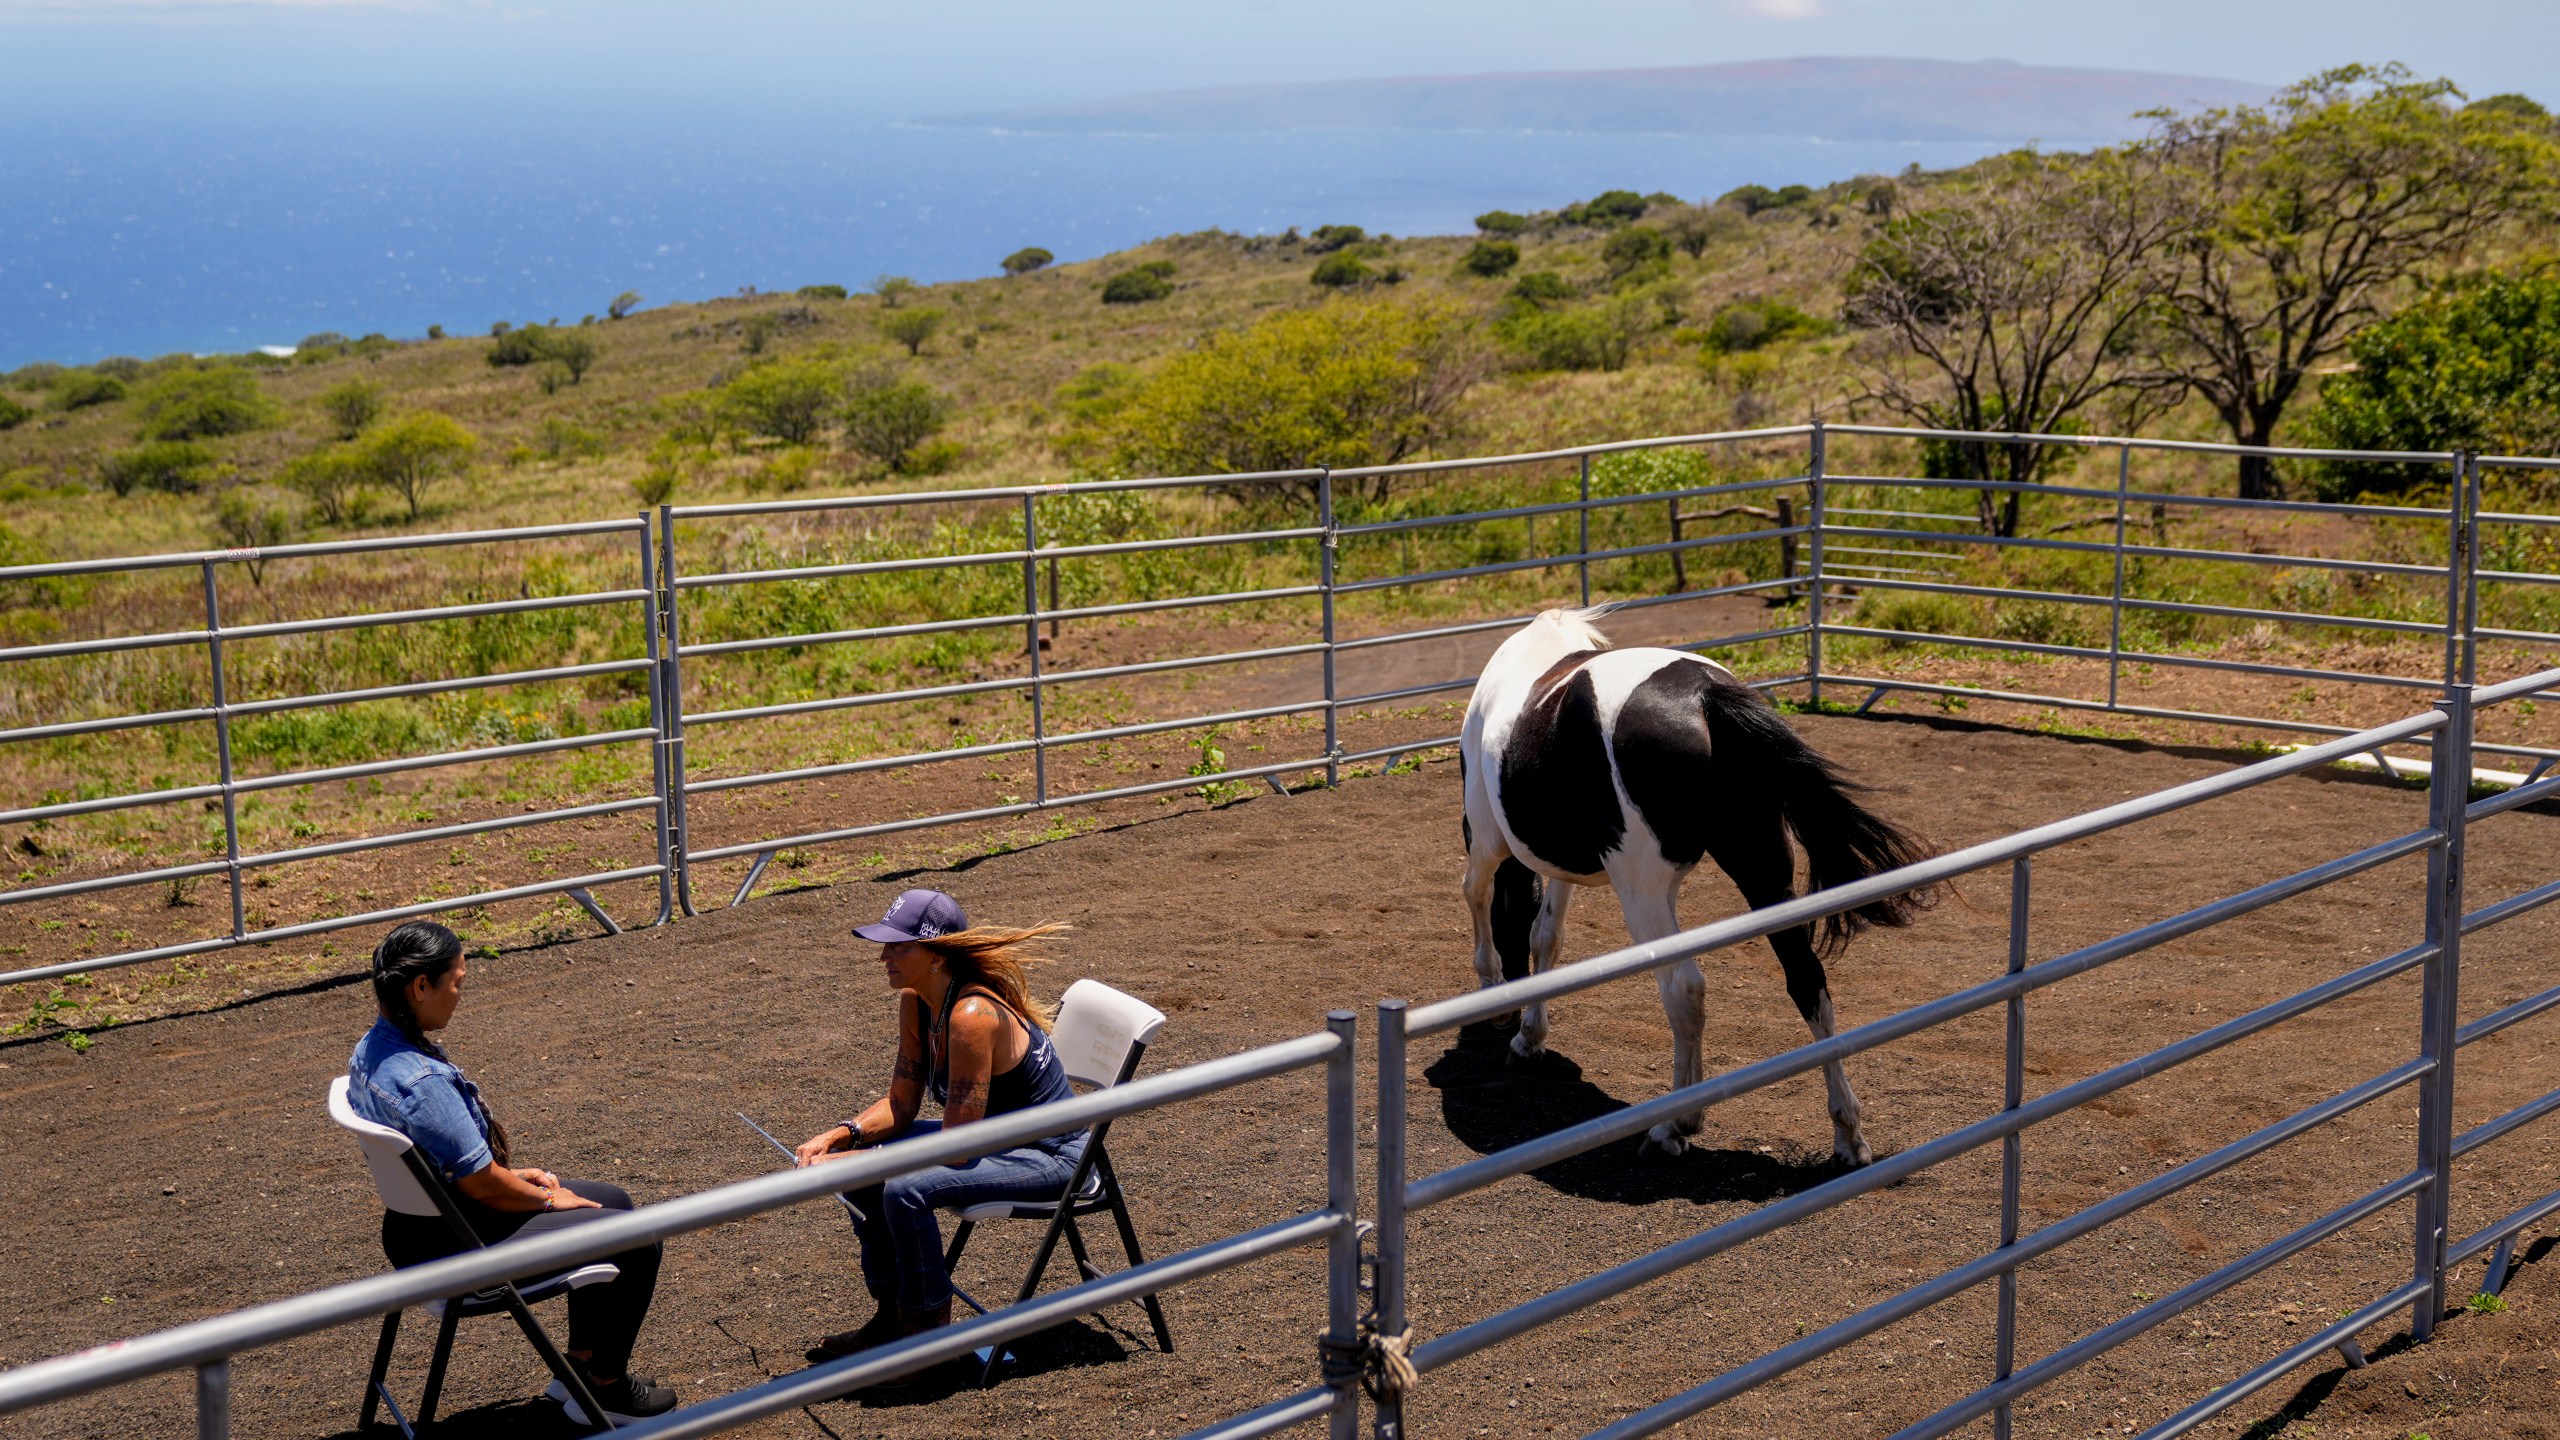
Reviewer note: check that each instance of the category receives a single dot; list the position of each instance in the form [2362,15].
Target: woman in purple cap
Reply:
[969,1031]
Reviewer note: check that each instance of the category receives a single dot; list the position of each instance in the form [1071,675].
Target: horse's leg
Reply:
[1482,862]
[1763,868]
[1545,938]
[1650,901]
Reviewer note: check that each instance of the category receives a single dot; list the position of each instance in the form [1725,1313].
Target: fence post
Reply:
[2012,1145]
[671,689]
[2471,571]
[1031,650]
[1388,1418]
[222,751]
[2448,796]
[213,1400]
[1583,540]
[1342,1252]
[1325,551]
[2115,604]
[1814,460]
[657,721]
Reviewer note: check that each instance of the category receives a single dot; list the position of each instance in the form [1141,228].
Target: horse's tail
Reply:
[1843,840]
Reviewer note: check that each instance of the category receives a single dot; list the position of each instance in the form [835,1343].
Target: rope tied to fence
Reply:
[1382,1364]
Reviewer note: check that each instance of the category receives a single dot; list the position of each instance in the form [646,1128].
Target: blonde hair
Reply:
[996,958]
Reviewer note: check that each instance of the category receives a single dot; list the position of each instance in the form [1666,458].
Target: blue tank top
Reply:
[1040,1078]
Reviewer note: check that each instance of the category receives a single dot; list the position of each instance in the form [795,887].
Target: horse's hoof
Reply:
[1523,1061]
[1668,1143]
[1852,1157]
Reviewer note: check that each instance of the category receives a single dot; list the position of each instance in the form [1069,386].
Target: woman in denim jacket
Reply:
[400,1078]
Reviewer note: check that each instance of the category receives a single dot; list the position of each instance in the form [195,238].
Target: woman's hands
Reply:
[500,1188]
[543,1178]
[836,1140]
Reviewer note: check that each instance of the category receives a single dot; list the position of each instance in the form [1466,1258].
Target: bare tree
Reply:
[2015,301]
[2313,214]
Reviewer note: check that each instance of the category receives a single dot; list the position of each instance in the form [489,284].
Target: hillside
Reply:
[1826,98]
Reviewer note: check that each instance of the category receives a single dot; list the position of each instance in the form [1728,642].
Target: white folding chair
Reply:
[408,1184]
[1101,1034]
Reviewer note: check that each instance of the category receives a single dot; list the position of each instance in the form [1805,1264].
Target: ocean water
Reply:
[230,231]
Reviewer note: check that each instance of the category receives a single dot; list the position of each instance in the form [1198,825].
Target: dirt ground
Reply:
[184,1165]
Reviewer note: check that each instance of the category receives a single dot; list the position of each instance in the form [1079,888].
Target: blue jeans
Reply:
[901,1238]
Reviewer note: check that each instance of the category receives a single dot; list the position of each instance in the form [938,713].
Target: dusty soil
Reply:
[184,1166]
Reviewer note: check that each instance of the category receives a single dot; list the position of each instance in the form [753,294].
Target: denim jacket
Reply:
[425,1097]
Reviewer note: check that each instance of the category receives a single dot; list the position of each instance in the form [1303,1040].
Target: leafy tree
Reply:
[891,289]
[351,406]
[1634,250]
[781,400]
[2473,366]
[2312,214]
[243,521]
[1606,210]
[412,452]
[512,346]
[1752,199]
[823,292]
[2015,302]
[80,389]
[573,353]
[13,414]
[1502,223]
[1140,284]
[1692,229]
[623,304]
[1329,238]
[334,481]
[1026,260]
[886,418]
[1341,384]
[173,467]
[199,404]
[1490,258]
[912,328]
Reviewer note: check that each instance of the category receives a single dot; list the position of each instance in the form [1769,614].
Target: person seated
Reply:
[400,1078]
[968,1031]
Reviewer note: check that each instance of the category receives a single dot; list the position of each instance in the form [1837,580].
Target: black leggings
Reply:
[604,1319]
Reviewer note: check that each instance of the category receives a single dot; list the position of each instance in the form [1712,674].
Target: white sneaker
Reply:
[635,1397]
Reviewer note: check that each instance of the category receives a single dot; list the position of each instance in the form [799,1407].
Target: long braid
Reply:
[421,950]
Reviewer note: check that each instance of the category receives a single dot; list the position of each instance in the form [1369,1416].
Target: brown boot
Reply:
[954,1371]
[880,1329]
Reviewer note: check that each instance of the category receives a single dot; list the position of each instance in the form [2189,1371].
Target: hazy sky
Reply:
[135,57]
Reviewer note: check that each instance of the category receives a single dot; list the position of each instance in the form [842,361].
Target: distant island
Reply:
[1838,98]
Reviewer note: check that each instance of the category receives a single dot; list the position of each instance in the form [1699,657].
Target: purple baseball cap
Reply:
[917,915]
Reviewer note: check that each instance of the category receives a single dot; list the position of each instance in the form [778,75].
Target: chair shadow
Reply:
[1072,1345]
[527,1417]
[1489,1105]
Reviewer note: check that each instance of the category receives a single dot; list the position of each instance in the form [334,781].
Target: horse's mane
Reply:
[1581,626]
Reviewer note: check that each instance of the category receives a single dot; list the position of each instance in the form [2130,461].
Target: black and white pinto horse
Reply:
[1590,766]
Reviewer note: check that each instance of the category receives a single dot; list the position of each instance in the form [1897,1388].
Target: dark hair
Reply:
[421,950]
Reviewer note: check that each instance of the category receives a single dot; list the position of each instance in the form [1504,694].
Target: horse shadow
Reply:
[1490,1105]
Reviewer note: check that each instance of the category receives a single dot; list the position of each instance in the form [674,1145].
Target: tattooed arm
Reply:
[889,1116]
[976,1026]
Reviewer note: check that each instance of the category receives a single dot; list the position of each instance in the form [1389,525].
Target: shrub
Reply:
[1606,210]
[886,418]
[246,521]
[173,467]
[574,353]
[1637,247]
[512,347]
[782,400]
[1693,230]
[201,404]
[1750,324]
[1752,199]
[757,331]
[1136,287]
[912,328]
[80,389]
[411,453]
[1345,383]
[891,289]
[1920,613]
[1026,260]
[13,414]
[351,406]
[626,302]
[1600,336]
[823,292]
[1501,222]
[2040,622]
[1541,287]
[1342,270]
[1490,258]
[334,481]
[1328,238]
[2474,366]
[672,462]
